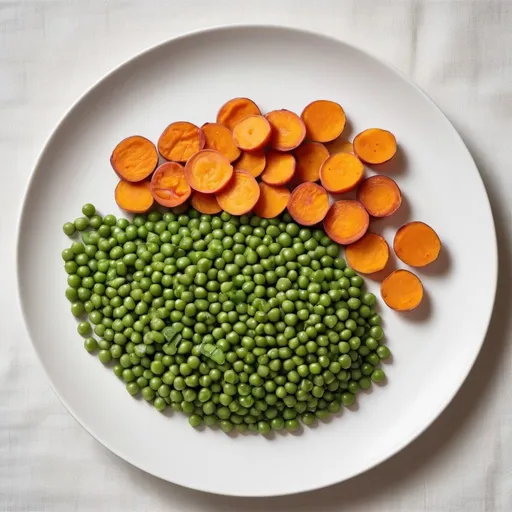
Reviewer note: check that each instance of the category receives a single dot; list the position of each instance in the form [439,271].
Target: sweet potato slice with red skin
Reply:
[324,120]
[375,146]
[253,162]
[240,195]
[236,109]
[272,201]
[417,244]
[134,197]
[205,203]
[310,156]
[252,133]
[279,169]
[308,204]
[288,130]
[341,172]
[346,221]
[169,186]
[219,138]
[402,290]
[208,171]
[380,195]
[180,140]
[134,158]
[369,254]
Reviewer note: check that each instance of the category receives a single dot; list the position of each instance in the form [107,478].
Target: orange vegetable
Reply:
[233,111]
[134,158]
[253,162]
[134,197]
[180,141]
[402,290]
[340,146]
[279,169]
[324,120]
[240,195]
[220,138]
[205,203]
[272,201]
[252,133]
[341,172]
[288,130]
[308,204]
[346,221]
[369,254]
[208,171]
[375,146]
[310,157]
[417,244]
[169,186]
[380,196]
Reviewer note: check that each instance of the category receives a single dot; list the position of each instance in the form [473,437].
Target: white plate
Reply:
[188,79]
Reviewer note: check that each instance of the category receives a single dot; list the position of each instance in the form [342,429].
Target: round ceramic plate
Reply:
[188,78]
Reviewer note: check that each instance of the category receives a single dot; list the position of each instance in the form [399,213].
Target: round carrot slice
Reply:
[253,162]
[272,201]
[134,197]
[310,157]
[252,133]
[308,204]
[205,203]
[375,146]
[134,158]
[369,254]
[341,172]
[169,186]
[346,221]
[417,244]
[279,169]
[288,130]
[380,196]
[233,111]
[240,195]
[220,138]
[180,141]
[324,120]
[208,171]
[402,290]
[340,146]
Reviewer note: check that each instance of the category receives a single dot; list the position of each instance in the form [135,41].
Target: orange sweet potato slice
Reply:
[341,172]
[346,221]
[375,146]
[134,197]
[252,133]
[220,138]
[380,196]
[240,195]
[134,158]
[369,254]
[272,201]
[308,204]
[324,120]
[417,244]
[169,186]
[205,203]
[288,130]
[310,157]
[279,169]
[402,290]
[208,171]
[180,140]
[340,146]
[233,111]
[253,162]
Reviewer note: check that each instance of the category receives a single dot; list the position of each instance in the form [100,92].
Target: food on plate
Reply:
[346,221]
[236,109]
[272,201]
[310,156]
[169,186]
[369,254]
[205,203]
[380,195]
[134,158]
[252,133]
[240,194]
[180,140]
[208,171]
[341,173]
[417,244]
[308,204]
[288,130]
[134,197]
[324,120]
[402,290]
[219,138]
[375,146]
[253,162]
[279,168]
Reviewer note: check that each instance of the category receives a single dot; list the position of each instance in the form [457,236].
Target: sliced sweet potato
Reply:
[341,172]
[169,186]
[253,162]
[310,157]
[369,254]
[272,201]
[417,244]
[220,138]
[205,203]
[308,204]
[380,196]
[134,158]
[252,133]
[240,195]
[340,145]
[346,221]
[324,120]
[180,140]
[233,111]
[288,130]
[134,197]
[279,169]
[208,171]
[402,290]
[375,146]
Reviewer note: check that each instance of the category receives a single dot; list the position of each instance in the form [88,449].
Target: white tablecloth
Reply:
[460,52]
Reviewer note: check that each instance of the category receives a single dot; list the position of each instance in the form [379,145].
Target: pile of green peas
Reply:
[247,323]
